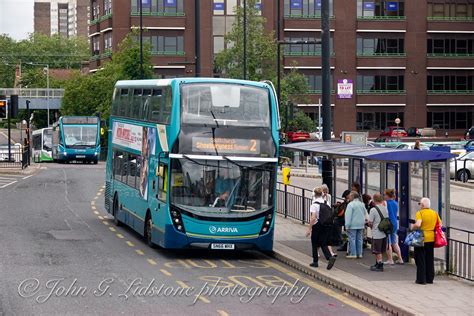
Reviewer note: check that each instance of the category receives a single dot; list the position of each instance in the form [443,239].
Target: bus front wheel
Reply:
[148,231]
[115,211]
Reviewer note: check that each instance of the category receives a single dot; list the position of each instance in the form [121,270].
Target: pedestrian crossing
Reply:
[9,179]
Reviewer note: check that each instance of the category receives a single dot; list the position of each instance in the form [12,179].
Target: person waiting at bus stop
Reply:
[426,219]
[379,238]
[392,239]
[355,218]
[319,232]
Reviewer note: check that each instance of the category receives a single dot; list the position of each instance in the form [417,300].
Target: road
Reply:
[62,254]
[458,219]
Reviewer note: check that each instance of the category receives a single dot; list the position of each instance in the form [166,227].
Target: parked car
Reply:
[469,146]
[298,136]
[412,146]
[414,132]
[319,134]
[393,131]
[460,171]
[469,133]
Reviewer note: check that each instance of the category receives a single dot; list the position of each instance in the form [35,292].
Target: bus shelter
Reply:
[412,173]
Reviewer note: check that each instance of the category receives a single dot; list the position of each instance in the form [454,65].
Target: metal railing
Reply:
[305,16]
[171,14]
[293,202]
[381,54]
[33,93]
[434,55]
[305,54]
[18,157]
[460,254]
[450,18]
[381,91]
[450,91]
[167,53]
[382,17]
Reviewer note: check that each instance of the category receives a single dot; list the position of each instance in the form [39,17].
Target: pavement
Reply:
[393,290]
[61,254]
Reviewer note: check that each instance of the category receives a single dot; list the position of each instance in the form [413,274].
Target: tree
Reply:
[261,57]
[88,94]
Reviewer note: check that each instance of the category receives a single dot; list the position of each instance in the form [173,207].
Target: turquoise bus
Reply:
[192,162]
[76,138]
[42,142]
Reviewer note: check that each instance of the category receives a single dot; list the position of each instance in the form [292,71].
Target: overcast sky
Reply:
[16,18]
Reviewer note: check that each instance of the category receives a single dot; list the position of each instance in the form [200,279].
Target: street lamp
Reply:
[398,121]
[46,72]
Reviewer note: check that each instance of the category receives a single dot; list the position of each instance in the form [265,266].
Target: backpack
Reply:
[326,214]
[385,224]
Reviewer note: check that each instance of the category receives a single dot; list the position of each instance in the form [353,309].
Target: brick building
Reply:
[408,59]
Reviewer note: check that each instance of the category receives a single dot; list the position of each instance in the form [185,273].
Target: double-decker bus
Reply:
[42,141]
[76,138]
[192,162]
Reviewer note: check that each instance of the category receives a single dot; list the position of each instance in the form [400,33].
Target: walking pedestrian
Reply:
[392,239]
[426,220]
[318,230]
[355,218]
[327,198]
[379,238]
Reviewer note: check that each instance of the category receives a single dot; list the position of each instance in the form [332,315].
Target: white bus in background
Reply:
[42,140]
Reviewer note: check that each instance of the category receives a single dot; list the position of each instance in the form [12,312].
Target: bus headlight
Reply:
[267,222]
[177,220]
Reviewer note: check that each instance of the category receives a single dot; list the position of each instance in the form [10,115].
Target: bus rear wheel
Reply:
[115,211]
[148,231]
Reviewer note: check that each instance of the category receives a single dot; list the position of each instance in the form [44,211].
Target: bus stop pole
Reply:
[447,203]
[428,180]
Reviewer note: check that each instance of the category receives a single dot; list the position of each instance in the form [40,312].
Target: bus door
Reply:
[160,190]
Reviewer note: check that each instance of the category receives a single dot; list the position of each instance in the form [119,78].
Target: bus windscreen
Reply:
[77,136]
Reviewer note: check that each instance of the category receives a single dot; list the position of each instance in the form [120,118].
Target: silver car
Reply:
[462,168]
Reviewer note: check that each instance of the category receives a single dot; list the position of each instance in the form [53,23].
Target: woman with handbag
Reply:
[426,221]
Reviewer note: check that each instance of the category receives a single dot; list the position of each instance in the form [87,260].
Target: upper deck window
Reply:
[221,104]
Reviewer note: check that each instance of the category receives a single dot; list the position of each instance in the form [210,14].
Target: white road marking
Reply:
[8,184]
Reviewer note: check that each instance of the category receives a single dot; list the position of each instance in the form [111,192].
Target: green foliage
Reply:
[88,94]
[56,51]
[302,122]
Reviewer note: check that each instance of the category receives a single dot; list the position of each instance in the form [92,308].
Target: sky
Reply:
[16,18]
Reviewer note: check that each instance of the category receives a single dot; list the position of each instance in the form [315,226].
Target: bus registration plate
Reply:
[223,246]
[80,156]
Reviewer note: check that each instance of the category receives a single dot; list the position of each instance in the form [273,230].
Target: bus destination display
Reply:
[80,120]
[226,145]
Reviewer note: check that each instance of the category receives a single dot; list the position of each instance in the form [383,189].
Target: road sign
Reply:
[356,138]
[345,89]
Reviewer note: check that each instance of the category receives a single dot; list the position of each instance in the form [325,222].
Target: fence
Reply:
[460,253]
[18,157]
[294,202]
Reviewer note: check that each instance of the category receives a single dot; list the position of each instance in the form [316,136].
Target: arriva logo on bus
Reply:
[214,229]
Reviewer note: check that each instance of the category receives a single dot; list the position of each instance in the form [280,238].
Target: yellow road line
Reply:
[98,194]
[322,289]
[93,207]
[138,251]
[222,313]
[165,272]
[130,243]
[112,229]
[201,298]
[96,213]
[120,236]
[152,262]
[105,223]
[182,284]
[92,202]
[96,197]
[101,217]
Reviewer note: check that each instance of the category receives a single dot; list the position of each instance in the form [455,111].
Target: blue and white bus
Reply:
[192,162]
[76,138]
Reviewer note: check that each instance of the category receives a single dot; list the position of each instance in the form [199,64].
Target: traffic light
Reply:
[3,107]
[14,106]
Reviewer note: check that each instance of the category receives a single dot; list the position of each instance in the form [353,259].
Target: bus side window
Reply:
[136,103]
[117,165]
[122,105]
[163,182]
[165,118]
[146,100]
[132,170]
[156,101]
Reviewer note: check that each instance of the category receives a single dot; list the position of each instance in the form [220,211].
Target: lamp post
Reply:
[245,41]
[141,39]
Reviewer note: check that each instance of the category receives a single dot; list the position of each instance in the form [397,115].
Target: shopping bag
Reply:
[440,238]
[415,238]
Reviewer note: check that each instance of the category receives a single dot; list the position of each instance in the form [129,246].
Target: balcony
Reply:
[438,55]
[318,92]
[167,53]
[106,54]
[450,92]
[167,14]
[305,16]
[382,18]
[381,92]
[381,54]
[451,18]
[95,57]
[305,54]
[105,17]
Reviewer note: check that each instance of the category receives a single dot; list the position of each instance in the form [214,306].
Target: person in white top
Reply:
[328,199]
[319,233]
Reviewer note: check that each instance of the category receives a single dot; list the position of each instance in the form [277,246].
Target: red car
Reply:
[393,131]
[299,136]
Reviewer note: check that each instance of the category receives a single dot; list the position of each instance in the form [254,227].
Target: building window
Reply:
[380,46]
[164,45]
[315,83]
[305,8]
[108,41]
[158,7]
[380,84]
[450,10]
[450,119]
[450,46]
[107,7]
[95,45]
[373,9]
[451,83]
[370,121]
[304,49]
[95,10]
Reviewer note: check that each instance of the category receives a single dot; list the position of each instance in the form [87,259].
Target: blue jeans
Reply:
[355,241]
